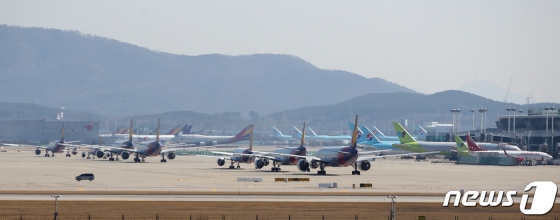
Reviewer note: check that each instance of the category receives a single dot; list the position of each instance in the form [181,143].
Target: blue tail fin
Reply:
[310,132]
[370,137]
[376,131]
[296,133]
[420,132]
[276,132]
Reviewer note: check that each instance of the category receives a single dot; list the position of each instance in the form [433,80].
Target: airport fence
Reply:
[194,216]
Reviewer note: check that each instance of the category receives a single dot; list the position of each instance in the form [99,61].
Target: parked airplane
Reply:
[168,136]
[283,156]
[239,155]
[382,136]
[115,149]
[340,157]
[277,135]
[205,140]
[312,137]
[151,149]
[407,142]
[56,146]
[519,155]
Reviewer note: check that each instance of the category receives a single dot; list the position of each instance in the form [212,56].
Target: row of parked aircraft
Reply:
[341,156]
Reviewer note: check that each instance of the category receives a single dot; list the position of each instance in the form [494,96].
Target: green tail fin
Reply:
[404,136]
[461,146]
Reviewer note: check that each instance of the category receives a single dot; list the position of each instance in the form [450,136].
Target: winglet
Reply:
[404,136]
[157,134]
[354,134]
[302,136]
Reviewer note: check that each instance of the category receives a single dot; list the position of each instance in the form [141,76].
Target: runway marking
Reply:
[344,191]
[213,190]
[81,189]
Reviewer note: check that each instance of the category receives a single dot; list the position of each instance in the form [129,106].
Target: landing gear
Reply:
[111,159]
[68,155]
[163,160]
[233,167]
[355,171]
[322,171]
[88,157]
[274,168]
[47,155]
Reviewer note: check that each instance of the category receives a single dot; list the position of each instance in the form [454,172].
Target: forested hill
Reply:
[107,77]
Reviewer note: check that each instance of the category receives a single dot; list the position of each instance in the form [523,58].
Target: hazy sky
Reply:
[428,46]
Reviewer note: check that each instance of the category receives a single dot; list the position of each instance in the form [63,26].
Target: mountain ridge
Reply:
[108,77]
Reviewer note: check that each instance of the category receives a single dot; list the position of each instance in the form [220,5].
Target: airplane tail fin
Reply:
[420,131]
[353,143]
[404,136]
[296,132]
[472,145]
[251,141]
[370,137]
[302,136]
[276,132]
[175,130]
[186,129]
[121,130]
[361,137]
[62,134]
[130,131]
[461,147]
[310,131]
[245,134]
[157,133]
[376,131]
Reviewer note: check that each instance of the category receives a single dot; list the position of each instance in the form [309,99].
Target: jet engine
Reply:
[259,164]
[221,162]
[99,154]
[364,165]
[74,152]
[266,162]
[314,164]
[125,155]
[303,165]
[83,154]
[37,151]
[171,155]
[210,143]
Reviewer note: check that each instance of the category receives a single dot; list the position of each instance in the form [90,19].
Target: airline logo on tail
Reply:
[369,137]
[175,130]
[245,134]
[89,126]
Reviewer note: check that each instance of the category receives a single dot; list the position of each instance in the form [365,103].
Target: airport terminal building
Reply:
[43,131]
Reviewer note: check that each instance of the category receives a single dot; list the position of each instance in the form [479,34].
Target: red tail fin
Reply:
[472,145]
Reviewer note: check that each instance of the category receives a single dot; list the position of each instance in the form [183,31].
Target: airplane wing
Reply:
[373,152]
[394,155]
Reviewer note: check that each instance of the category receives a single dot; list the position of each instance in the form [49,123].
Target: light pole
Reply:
[552,108]
[393,215]
[520,111]
[56,205]
[459,120]
[472,111]
[453,111]
[482,119]
[155,116]
[546,109]
[107,124]
[509,114]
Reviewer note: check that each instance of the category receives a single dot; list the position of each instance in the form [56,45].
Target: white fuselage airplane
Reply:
[522,155]
[205,140]
[239,155]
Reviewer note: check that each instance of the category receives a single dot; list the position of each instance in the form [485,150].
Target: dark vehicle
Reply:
[85,176]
